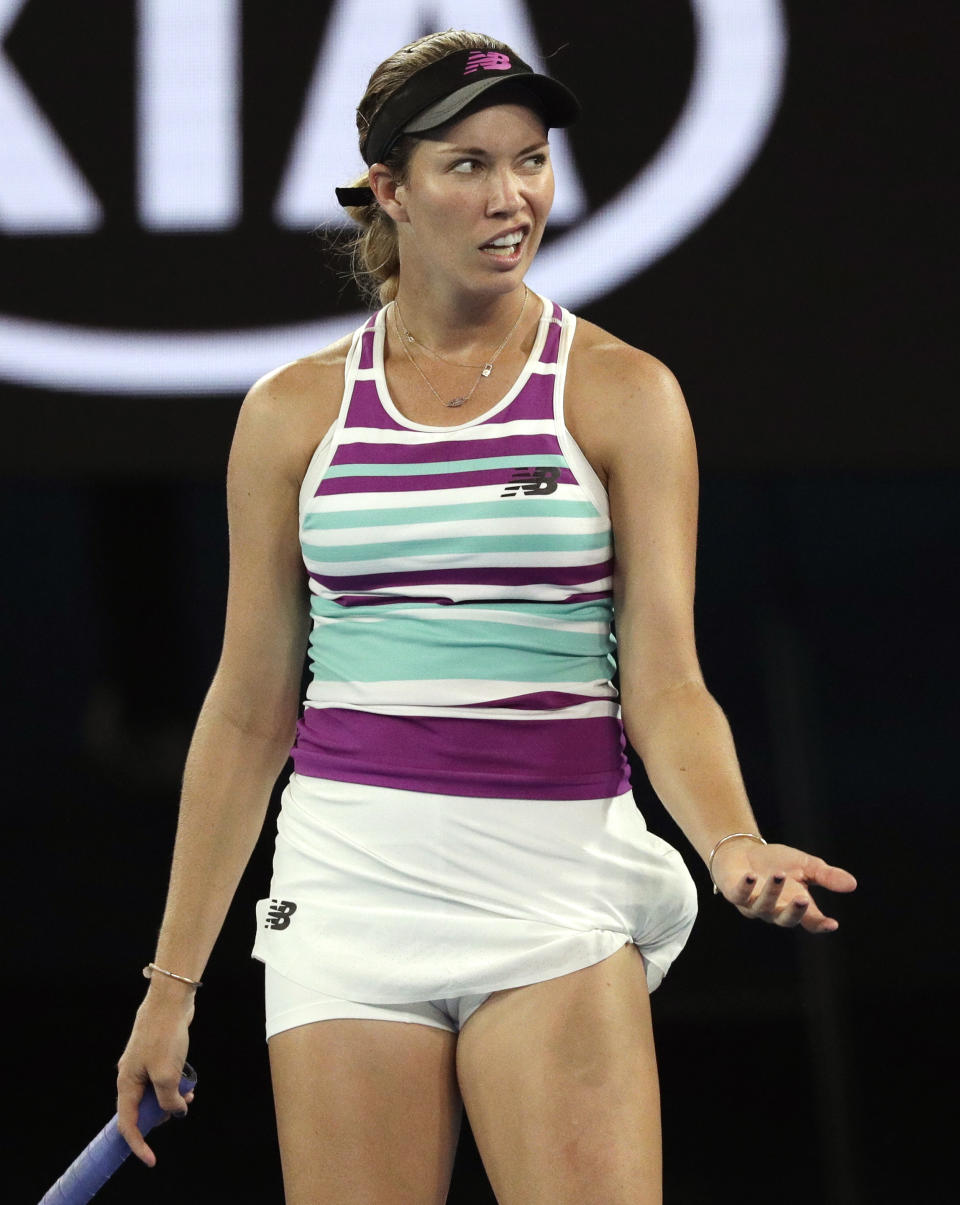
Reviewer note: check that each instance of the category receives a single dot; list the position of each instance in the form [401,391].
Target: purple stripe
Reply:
[541,700]
[589,596]
[366,409]
[428,481]
[366,344]
[551,347]
[560,575]
[378,600]
[446,451]
[504,759]
[534,401]
[490,575]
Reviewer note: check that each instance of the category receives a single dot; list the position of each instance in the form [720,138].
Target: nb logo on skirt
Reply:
[278,917]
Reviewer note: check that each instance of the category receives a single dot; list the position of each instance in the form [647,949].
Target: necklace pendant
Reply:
[486,370]
[456,401]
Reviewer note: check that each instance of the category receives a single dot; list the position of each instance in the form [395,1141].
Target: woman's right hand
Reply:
[155,1054]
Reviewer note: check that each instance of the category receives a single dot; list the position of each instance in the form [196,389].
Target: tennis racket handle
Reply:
[100,1158]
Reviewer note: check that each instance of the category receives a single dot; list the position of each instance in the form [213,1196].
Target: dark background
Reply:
[807,320]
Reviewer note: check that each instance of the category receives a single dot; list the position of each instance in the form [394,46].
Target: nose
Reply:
[504,197]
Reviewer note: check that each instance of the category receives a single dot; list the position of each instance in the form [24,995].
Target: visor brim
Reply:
[557,104]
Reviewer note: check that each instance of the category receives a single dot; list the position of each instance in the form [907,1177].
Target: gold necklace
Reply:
[410,338]
[485,369]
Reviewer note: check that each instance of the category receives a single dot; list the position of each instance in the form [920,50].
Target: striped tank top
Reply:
[461,594]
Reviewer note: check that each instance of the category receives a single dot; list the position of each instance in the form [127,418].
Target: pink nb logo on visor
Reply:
[487,60]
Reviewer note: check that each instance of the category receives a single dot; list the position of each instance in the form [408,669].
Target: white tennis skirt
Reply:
[388,896]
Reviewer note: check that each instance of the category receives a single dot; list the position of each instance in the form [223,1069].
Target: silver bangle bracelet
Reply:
[728,837]
[152,969]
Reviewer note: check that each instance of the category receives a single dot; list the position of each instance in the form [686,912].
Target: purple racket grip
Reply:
[100,1158]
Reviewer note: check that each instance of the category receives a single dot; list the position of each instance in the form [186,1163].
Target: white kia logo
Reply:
[188,173]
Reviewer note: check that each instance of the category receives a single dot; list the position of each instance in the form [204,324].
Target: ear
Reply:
[385,189]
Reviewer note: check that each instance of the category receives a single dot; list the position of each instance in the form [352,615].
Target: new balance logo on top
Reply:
[279,915]
[532,481]
[487,60]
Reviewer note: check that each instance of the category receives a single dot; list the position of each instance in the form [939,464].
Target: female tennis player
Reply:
[466,908]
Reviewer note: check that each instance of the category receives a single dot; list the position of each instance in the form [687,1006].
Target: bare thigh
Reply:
[560,1084]
[368,1112]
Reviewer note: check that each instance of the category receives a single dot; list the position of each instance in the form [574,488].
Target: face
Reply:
[476,199]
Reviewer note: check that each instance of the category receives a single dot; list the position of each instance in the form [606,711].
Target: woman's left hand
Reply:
[772,883]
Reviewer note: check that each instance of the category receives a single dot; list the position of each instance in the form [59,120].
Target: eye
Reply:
[537,160]
[465,166]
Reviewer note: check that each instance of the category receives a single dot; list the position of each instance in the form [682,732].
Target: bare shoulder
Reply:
[619,397]
[305,391]
[612,380]
[621,368]
[287,412]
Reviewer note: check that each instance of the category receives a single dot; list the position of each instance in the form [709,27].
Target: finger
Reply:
[820,923]
[766,902]
[837,879]
[793,913]
[167,1089]
[814,921]
[129,1095]
[743,890]
[134,1140]
[834,878]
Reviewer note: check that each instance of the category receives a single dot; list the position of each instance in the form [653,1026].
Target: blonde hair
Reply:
[374,251]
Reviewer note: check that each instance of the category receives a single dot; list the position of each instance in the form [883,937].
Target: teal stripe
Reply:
[454,649]
[329,520]
[429,468]
[595,611]
[580,541]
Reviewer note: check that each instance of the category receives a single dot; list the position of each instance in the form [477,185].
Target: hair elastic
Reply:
[352,198]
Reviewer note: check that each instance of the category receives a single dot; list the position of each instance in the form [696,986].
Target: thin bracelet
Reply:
[713,852]
[151,968]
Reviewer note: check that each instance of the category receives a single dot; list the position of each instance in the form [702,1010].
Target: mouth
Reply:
[507,248]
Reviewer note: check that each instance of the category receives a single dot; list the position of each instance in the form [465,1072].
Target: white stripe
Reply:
[324,451]
[350,616]
[565,491]
[603,707]
[580,466]
[540,592]
[377,435]
[517,618]
[456,560]
[414,695]
[395,533]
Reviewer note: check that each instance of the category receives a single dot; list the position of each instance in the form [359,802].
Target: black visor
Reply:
[437,93]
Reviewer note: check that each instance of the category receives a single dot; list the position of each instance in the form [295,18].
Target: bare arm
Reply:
[247,722]
[671,719]
[242,737]
[641,434]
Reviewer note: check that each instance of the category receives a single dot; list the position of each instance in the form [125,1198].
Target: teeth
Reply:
[508,240]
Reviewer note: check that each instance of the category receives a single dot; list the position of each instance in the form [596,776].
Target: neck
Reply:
[458,323]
